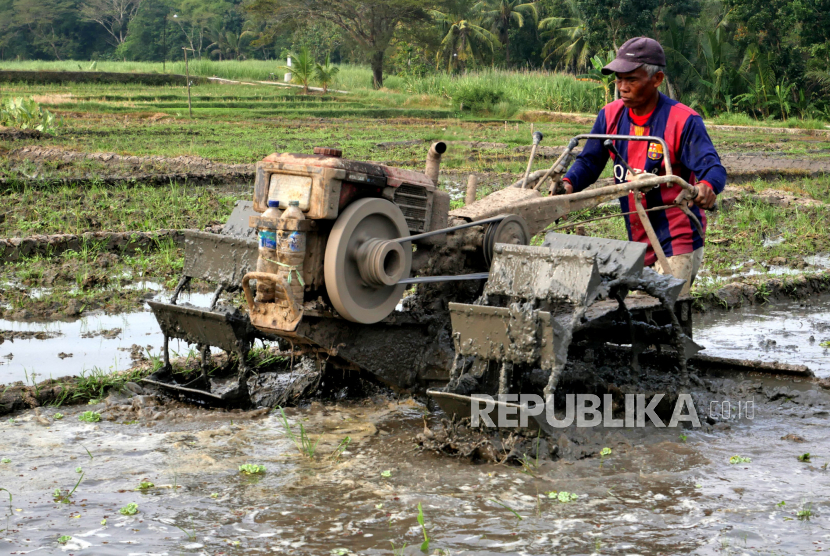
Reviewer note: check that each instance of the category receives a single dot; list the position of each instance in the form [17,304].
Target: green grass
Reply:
[67,209]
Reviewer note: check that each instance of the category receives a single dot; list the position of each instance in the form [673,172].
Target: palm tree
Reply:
[302,70]
[465,39]
[568,39]
[503,14]
[325,73]
[229,45]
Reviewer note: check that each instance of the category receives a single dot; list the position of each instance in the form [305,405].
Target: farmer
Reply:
[643,110]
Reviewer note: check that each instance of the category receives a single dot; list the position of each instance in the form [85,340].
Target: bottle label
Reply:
[268,239]
[296,241]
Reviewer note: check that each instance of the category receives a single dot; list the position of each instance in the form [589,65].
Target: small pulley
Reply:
[512,229]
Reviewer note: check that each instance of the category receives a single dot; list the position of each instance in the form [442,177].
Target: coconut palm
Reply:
[465,40]
[302,69]
[228,45]
[502,15]
[568,39]
[325,73]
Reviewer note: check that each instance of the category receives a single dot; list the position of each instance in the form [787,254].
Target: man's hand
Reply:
[564,188]
[705,196]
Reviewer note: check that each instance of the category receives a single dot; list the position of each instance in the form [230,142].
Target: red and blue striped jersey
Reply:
[692,156]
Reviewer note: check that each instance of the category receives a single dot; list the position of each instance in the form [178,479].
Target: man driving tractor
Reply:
[642,110]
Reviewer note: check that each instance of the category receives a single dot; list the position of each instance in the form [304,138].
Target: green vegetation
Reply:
[145,485]
[514,512]
[65,497]
[386,473]
[25,113]
[804,458]
[734,460]
[303,441]
[563,496]
[251,469]
[129,509]
[90,417]
[425,544]
[758,59]
[63,539]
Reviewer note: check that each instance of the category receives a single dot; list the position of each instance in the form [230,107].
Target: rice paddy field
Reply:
[126,158]
[104,464]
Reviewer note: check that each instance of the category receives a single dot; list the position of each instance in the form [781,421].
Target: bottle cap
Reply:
[273,204]
[293,203]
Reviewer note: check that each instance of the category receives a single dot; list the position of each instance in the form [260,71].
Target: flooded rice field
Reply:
[786,331]
[107,342]
[163,478]
[658,491]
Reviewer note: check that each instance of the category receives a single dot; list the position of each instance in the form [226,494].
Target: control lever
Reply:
[537,138]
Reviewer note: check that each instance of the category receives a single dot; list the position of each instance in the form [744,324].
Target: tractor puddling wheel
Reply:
[512,230]
[362,266]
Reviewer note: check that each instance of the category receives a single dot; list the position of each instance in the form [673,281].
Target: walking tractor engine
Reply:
[330,230]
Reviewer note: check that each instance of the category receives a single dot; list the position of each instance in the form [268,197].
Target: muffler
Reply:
[434,160]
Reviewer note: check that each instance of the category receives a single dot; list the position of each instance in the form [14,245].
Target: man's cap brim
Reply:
[620,66]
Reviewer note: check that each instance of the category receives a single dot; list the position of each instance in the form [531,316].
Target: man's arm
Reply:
[590,163]
[698,154]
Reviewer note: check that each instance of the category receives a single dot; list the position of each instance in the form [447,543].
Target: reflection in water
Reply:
[785,331]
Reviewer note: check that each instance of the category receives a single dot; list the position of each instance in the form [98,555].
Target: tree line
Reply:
[767,58]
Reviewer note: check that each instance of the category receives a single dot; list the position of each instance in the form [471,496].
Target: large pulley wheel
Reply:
[362,266]
[512,230]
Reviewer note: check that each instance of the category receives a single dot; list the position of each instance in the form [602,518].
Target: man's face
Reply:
[637,88]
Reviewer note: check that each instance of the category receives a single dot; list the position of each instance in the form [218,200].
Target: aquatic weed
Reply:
[58,416]
[340,449]
[806,512]
[563,496]
[5,460]
[251,468]
[398,551]
[514,512]
[734,460]
[303,443]
[386,473]
[144,485]
[64,539]
[425,544]
[804,457]
[90,417]
[59,495]
[190,534]
[129,509]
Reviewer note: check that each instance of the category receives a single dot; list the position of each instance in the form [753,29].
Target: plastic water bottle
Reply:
[291,246]
[267,261]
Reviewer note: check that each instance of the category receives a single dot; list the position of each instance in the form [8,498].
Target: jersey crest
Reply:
[655,151]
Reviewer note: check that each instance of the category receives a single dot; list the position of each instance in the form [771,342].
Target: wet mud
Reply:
[658,491]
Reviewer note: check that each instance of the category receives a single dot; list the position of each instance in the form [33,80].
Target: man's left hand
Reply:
[705,196]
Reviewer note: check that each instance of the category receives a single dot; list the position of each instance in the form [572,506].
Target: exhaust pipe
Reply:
[434,160]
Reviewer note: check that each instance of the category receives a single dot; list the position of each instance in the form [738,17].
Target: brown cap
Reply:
[634,53]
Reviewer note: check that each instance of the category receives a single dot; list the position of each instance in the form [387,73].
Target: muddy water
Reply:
[96,341]
[785,331]
[655,494]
